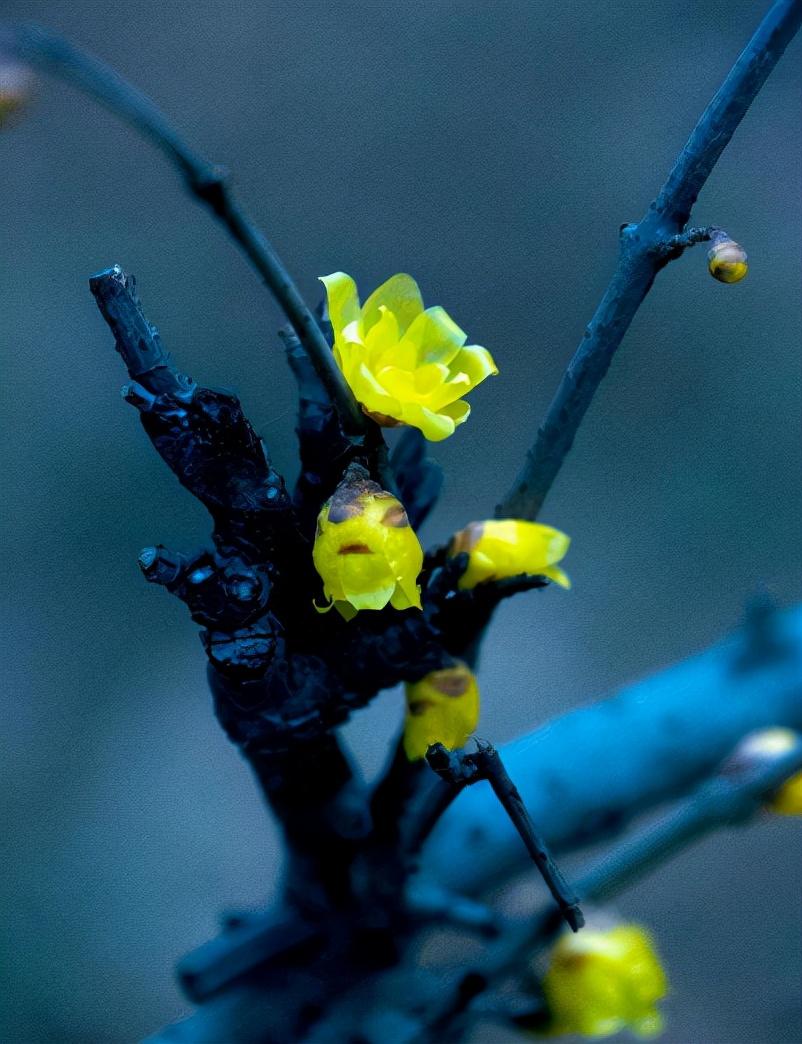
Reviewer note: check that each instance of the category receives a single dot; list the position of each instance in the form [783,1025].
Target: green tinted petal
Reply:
[458,411]
[400,294]
[476,362]
[343,300]
[436,336]
[435,426]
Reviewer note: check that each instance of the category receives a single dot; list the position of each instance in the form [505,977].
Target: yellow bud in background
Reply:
[365,550]
[601,982]
[500,548]
[442,708]
[726,259]
[16,89]
[761,747]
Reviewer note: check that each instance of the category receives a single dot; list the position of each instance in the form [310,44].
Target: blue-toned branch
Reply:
[729,798]
[208,182]
[642,254]
[589,773]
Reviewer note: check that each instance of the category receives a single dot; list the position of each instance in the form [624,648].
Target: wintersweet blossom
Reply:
[405,364]
[500,548]
[365,551]
[601,982]
[443,707]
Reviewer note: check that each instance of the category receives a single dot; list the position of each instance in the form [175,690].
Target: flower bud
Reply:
[602,981]
[726,259]
[365,550]
[500,548]
[443,707]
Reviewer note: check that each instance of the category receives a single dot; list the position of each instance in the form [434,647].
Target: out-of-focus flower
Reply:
[726,259]
[16,89]
[365,550]
[600,982]
[404,364]
[763,746]
[508,547]
[442,708]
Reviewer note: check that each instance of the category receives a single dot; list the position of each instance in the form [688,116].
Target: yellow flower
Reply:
[365,550]
[508,547]
[600,982]
[442,708]
[404,364]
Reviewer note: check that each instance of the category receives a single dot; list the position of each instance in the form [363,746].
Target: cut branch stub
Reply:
[201,434]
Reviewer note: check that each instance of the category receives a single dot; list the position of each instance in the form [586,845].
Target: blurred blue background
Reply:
[492,150]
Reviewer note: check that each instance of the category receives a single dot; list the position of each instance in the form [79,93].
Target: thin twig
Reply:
[460,769]
[727,799]
[206,181]
[641,258]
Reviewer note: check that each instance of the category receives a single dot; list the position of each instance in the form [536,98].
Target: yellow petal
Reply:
[382,337]
[559,576]
[507,547]
[435,426]
[343,300]
[787,801]
[400,295]
[476,362]
[458,411]
[430,377]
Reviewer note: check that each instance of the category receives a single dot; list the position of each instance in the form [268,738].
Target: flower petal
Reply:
[343,300]
[436,336]
[400,294]
[458,411]
[476,362]
[382,336]
[435,426]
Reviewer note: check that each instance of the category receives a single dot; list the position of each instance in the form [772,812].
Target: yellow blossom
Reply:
[404,364]
[600,982]
[508,547]
[365,550]
[442,708]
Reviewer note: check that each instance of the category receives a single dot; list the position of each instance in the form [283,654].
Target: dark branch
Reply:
[460,769]
[206,181]
[646,248]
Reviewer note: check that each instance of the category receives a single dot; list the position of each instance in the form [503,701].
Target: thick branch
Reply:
[206,181]
[642,256]
[589,773]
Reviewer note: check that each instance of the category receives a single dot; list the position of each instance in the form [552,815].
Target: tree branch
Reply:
[206,181]
[727,799]
[587,774]
[642,254]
